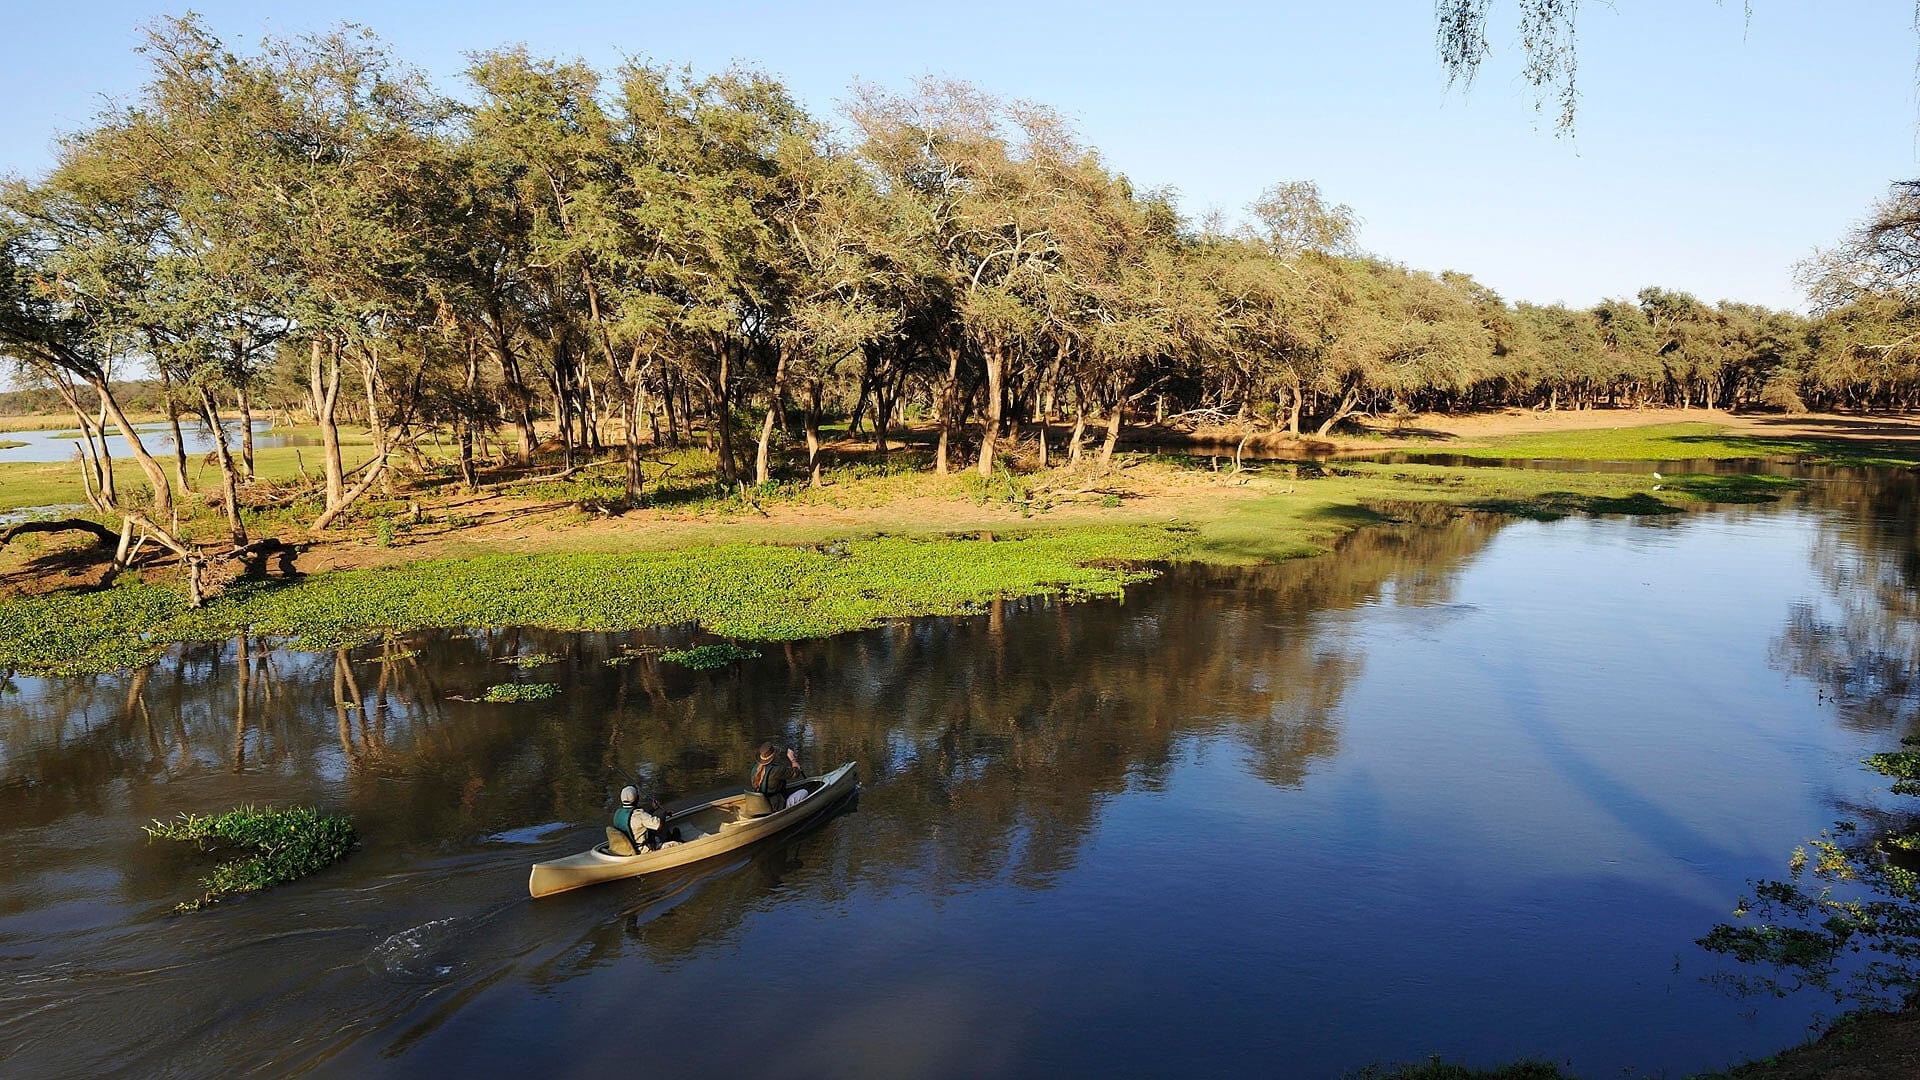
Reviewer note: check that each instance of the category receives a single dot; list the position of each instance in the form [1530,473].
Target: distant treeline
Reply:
[651,250]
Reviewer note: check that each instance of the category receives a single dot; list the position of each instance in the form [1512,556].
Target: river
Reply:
[42,446]
[1470,787]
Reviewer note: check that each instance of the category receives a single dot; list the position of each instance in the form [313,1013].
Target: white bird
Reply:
[1656,476]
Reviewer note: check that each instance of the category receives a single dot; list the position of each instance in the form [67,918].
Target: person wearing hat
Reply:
[773,777]
[640,825]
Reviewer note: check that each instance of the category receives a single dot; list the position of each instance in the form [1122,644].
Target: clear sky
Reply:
[1711,154]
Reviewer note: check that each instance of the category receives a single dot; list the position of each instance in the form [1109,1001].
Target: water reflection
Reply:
[1235,816]
[1860,638]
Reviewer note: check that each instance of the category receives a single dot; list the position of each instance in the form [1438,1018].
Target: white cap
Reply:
[629,795]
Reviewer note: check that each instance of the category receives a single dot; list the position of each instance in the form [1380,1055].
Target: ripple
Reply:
[418,952]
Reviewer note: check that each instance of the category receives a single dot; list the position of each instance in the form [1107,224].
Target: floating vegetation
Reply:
[1846,922]
[745,591]
[530,660]
[280,846]
[509,692]
[710,656]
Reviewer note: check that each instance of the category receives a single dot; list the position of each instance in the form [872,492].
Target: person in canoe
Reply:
[781,782]
[640,824]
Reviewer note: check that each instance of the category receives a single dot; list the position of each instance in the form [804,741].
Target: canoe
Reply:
[708,829]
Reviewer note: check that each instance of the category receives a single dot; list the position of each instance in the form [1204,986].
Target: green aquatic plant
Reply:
[280,846]
[744,591]
[510,692]
[531,660]
[1846,920]
[710,656]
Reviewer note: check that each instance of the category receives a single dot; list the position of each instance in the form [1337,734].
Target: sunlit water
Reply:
[157,438]
[1471,789]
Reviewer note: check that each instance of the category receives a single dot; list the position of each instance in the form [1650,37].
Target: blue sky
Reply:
[1711,154]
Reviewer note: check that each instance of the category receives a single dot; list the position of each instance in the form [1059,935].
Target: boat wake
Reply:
[420,952]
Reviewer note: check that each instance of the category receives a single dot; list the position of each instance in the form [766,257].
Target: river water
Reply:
[157,438]
[1470,788]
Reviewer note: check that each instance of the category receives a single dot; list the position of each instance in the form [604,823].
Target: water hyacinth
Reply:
[280,845]
[511,692]
[709,657]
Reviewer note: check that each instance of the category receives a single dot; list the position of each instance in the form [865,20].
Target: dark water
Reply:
[157,438]
[1469,788]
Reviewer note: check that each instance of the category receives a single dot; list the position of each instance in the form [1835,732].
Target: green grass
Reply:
[1674,442]
[791,584]
[8,444]
[746,591]
[1302,517]
[279,846]
[709,657]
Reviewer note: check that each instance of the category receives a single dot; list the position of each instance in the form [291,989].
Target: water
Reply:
[1470,788]
[157,438]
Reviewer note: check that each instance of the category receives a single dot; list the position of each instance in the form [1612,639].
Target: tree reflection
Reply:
[1860,643]
[988,744]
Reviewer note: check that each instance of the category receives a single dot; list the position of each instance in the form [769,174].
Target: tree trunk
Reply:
[244,401]
[763,453]
[632,406]
[728,468]
[181,487]
[815,389]
[469,476]
[990,423]
[156,477]
[229,479]
[666,394]
[519,395]
[1345,409]
[1114,420]
[376,422]
[332,513]
[945,408]
[324,388]
[109,485]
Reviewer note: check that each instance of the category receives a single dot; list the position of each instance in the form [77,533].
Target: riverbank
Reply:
[778,565]
[884,539]
[789,562]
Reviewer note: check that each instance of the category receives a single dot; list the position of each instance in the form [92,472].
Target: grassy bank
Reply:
[1680,442]
[740,590]
[934,545]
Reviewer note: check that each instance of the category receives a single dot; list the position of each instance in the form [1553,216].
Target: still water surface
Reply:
[196,436]
[1469,788]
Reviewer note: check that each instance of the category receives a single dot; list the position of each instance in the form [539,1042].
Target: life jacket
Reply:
[623,820]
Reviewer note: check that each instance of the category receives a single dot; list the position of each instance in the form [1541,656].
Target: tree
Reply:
[1293,218]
